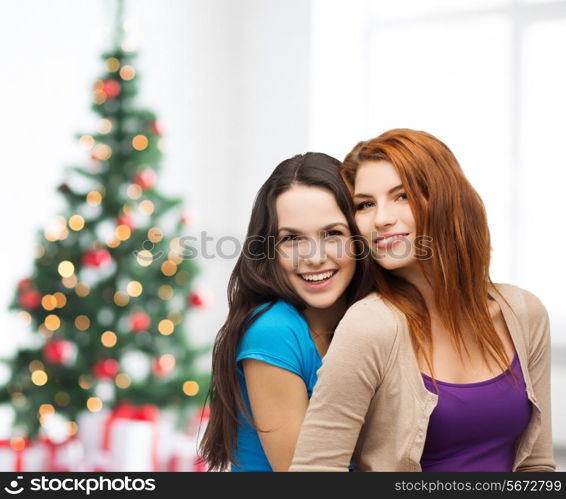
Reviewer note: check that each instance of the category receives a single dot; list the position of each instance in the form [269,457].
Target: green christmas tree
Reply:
[111,282]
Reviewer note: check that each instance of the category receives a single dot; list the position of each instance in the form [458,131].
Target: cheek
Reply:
[407,216]
[350,267]
[343,253]
[285,262]
[364,222]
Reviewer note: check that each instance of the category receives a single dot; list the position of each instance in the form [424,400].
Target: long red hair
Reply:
[449,211]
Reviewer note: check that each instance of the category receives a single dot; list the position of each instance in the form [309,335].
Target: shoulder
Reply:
[276,315]
[279,335]
[523,302]
[531,315]
[275,324]
[367,338]
[373,313]
[372,319]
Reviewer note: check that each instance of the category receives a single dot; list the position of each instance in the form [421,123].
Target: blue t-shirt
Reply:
[281,337]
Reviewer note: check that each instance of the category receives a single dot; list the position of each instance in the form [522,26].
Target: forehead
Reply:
[304,207]
[376,176]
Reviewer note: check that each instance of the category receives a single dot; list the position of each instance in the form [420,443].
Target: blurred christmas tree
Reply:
[112,278]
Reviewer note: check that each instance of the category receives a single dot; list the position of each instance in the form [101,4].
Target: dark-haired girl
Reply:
[440,369]
[301,267]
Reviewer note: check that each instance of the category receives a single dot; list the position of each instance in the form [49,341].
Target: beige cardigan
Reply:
[370,400]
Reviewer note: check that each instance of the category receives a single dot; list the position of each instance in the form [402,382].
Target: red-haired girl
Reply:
[439,369]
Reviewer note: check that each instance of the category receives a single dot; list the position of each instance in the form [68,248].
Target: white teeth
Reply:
[318,277]
[398,236]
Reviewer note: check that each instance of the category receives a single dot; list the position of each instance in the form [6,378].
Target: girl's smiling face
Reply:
[314,245]
[384,216]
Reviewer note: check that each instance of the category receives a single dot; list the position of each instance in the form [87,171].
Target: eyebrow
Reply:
[326,227]
[390,191]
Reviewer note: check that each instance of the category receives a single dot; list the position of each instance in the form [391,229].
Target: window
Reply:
[484,76]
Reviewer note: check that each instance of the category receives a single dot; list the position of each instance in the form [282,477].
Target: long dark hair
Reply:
[257,279]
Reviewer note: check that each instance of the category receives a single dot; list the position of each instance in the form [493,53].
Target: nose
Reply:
[314,252]
[384,217]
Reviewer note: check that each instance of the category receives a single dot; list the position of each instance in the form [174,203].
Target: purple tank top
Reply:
[474,426]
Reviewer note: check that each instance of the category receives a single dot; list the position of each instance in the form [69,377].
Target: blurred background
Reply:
[240,85]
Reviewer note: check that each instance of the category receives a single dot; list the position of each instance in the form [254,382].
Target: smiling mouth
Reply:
[319,277]
[388,239]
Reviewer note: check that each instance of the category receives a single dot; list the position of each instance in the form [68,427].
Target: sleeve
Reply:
[273,338]
[541,456]
[347,381]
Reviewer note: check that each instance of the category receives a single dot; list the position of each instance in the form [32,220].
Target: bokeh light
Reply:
[52,322]
[166,327]
[122,380]
[140,142]
[127,72]
[94,404]
[134,191]
[190,388]
[165,292]
[112,64]
[94,198]
[82,322]
[134,288]
[39,377]
[144,258]
[121,298]
[108,339]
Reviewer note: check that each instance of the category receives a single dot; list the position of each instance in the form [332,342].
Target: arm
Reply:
[278,400]
[347,381]
[541,457]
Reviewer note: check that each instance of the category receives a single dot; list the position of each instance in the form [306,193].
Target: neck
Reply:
[323,321]
[417,278]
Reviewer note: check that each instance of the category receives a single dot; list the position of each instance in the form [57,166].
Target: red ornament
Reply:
[199,299]
[30,299]
[25,283]
[126,220]
[96,258]
[186,218]
[199,420]
[111,88]
[162,368]
[139,321]
[145,179]
[58,352]
[107,368]
[204,414]
[200,464]
[155,127]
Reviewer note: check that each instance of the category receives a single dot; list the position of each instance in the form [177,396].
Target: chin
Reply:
[389,264]
[320,301]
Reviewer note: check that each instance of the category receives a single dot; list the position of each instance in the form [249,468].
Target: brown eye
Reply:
[364,204]
[289,237]
[334,233]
